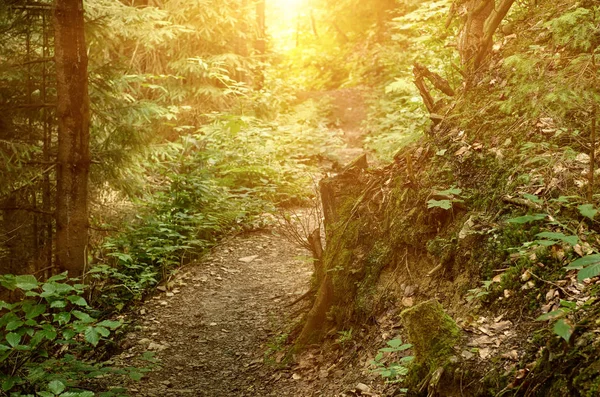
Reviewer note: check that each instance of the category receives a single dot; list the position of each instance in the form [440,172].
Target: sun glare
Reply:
[287,7]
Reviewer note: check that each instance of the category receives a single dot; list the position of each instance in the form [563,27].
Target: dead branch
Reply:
[438,81]
[522,203]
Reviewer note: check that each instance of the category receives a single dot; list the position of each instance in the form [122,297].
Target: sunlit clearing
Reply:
[287,8]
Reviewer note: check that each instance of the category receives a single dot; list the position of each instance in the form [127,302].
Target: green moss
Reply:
[588,382]
[432,332]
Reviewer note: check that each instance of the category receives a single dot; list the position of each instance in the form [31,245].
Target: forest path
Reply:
[213,328]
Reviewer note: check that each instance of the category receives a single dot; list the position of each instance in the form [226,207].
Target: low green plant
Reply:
[562,326]
[48,339]
[344,337]
[386,365]
[479,292]
[453,196]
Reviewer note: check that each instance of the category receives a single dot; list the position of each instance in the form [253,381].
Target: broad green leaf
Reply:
[136,375]
[26,282]
[103,331]
[443,204]
[77,394]
[388,350]
[563,329]
[13,339]
[15,324]
[552,315]
[56,387]
[110,324]
[36,339]
[585,261]
[589,272]
[84,317]
[49,332]
[394,342]
[58,304]
[45,394]
[527,218]
[68,334]
[546,243]
[533,198]
[587,210]
[571,240]
[77,300]
[452,191]
[4,348]
[58,277]
[9,383]
[62,318]
[568,304]
[34,311]
[92,335]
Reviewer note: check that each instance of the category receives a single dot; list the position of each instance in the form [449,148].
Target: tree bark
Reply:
[73,116]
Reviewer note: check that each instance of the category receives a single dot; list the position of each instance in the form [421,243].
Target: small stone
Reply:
[164,303]
[170,294]
[248,259]
[144,341]
[363,388]
[157,347]
[296,377]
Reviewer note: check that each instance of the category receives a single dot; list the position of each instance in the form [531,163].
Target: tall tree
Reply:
[73,156]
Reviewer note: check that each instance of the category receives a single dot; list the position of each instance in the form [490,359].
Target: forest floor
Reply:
[221,328]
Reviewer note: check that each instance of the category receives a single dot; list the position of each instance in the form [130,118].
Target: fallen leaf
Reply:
[485,352]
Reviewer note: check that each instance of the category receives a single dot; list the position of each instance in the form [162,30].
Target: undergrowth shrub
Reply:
[51,339]
[224,177]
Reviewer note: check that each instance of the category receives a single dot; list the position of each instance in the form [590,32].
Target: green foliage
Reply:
[554,77]
[392,371]
[453,195]
[588,266]
[575,29]
[47,338]
[562,327]
[344,337]
[588,210]
[223,177]
[521,220]
[479,292]
[417,34]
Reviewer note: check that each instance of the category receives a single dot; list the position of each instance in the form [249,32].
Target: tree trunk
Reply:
[73,116]
[472,35]
[482,19]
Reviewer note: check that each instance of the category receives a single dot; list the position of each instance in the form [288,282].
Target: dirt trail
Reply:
[211,330]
